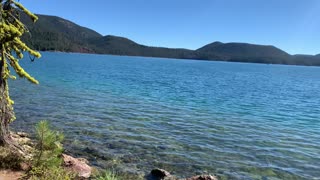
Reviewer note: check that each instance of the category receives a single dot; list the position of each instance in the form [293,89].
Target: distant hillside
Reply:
[244,52]
[53,33]
[123,46]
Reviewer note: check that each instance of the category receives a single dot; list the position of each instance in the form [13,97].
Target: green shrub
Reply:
[112,175]
[9,159]
[49,146]
[106,175]
[52,173]
[47,162]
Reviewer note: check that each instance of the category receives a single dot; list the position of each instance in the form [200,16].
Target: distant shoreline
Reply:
[86,53]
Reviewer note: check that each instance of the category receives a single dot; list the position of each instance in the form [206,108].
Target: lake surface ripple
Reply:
[237,120]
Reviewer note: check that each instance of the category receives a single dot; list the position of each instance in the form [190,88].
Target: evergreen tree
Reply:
[11,49]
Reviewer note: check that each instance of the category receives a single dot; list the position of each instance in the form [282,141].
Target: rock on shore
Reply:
[77,165]
[161,174]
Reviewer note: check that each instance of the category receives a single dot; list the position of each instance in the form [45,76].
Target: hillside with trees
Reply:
[53,33]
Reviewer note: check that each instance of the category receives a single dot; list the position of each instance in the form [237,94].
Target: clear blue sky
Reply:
[292,25]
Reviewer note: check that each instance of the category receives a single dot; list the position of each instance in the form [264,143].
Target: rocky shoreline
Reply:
[78,166]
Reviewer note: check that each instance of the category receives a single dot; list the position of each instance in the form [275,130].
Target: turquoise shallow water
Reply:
[240,121]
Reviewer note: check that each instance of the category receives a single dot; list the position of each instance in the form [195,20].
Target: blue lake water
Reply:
[237,120]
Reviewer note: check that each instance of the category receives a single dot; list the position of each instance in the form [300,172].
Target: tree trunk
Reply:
[6,109]
[6,114]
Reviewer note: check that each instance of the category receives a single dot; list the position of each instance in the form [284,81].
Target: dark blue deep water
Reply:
[237,120]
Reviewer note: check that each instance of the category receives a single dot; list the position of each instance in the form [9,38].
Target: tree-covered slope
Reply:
[244,52]
[123,46]
[53,33]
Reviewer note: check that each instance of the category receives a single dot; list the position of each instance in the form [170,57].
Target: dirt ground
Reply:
[10,175]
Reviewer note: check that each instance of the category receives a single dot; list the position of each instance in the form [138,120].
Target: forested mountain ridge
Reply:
[53,33]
